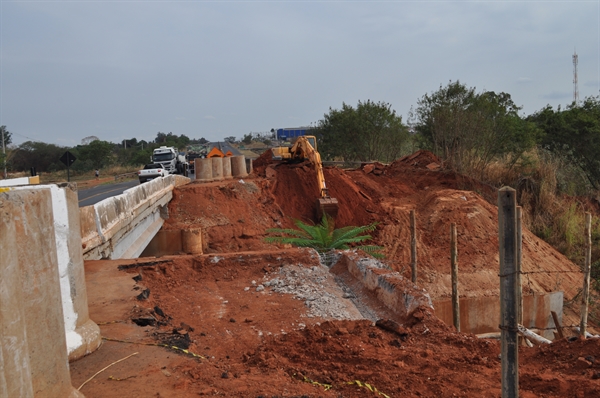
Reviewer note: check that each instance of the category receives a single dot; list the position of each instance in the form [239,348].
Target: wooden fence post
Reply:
[585,297]
[413,246]
[518,264]
[507,239]
[454,264]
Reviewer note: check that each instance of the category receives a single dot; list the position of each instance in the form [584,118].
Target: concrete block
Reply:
[392,289]
[33,343]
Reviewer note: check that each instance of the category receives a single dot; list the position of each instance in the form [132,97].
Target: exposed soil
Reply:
[267,321]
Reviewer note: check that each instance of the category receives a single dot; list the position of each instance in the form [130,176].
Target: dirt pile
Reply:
[235,216]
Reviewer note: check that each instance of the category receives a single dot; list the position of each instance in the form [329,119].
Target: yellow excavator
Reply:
[305,147]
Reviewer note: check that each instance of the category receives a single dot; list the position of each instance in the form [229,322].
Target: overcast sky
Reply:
[124,69]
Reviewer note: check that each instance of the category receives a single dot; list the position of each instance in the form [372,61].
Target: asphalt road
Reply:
[95,194]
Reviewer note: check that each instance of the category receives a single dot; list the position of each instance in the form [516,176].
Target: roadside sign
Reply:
[68,158]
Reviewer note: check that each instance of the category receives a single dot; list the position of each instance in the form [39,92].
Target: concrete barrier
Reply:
[14,182]
[392,289]
[126,223]
[34,359]
[82,334]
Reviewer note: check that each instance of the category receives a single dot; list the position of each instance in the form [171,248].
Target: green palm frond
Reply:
[324,237]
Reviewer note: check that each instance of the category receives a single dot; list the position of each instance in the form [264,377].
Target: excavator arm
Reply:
[305,148]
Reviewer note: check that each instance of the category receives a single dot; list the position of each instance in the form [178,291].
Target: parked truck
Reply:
[173,161]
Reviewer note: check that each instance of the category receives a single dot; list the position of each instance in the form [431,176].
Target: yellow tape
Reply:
[368,386]
[4,189]
[157,345]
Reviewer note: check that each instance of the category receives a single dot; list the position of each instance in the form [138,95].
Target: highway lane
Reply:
[95,194]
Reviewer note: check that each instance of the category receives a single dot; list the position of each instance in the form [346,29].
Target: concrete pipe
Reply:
[249,168]
[217,168]
[191,241]
[203,169]
[238,166]
[227,167]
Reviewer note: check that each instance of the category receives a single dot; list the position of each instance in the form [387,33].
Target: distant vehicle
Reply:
[152,171]
[173,161]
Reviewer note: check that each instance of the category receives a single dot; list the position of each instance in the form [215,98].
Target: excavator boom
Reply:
[305,147]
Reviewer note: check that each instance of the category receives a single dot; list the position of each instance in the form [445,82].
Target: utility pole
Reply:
[3,152]
[575,85]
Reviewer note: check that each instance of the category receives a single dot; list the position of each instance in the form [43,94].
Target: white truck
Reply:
[171,160]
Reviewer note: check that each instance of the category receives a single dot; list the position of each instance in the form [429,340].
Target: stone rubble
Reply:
[315,286]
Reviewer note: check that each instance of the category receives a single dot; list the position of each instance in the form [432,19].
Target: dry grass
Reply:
[553,195]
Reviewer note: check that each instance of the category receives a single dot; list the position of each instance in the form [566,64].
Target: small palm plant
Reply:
[323,237]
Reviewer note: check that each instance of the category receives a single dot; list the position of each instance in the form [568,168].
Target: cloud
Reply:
[524,80]
[556,95]
[209,117]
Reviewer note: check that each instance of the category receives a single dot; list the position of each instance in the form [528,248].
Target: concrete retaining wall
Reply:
[482,314]
[33,342]
[392,289]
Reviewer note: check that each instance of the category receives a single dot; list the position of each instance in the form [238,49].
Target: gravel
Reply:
[316,287]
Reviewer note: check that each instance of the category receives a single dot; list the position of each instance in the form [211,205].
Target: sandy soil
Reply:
[261,321]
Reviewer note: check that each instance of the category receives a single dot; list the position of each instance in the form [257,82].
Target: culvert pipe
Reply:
[217,168]
[238,166]
[203,169]
[227,167]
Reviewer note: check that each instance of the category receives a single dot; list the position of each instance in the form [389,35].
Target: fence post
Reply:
[507,239]
[519,264]
[454,264]
[413,246]
[585,297]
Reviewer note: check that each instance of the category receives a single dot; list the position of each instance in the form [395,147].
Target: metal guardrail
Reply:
[121,176]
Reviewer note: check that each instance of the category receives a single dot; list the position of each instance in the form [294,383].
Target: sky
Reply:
[129,69]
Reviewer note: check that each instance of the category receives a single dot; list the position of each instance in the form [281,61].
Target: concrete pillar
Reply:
[33,360]
[217,168]
[238,166]
[191,240]
[227,167]
[203,169]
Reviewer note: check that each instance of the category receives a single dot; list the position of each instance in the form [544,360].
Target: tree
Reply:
[323,237]
[247,139]
[44,157]
[98,153]
[230,139]
[372,131]
[574,133]
[468,130]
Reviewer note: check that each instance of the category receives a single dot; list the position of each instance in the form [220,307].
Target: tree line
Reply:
[92,154]
[467,129]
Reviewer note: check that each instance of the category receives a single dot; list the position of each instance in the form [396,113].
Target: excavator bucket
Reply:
[328,206]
